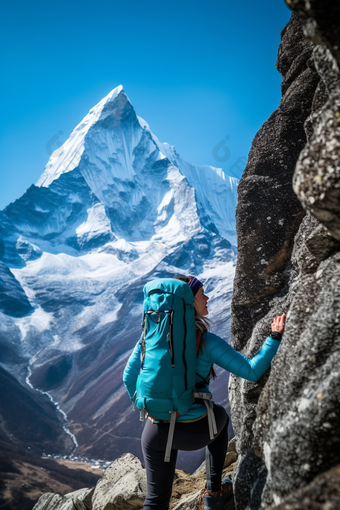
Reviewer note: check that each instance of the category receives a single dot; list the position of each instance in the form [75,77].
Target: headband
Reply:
[195,285]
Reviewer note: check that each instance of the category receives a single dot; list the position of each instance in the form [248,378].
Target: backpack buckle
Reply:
[204,395]
[142,415]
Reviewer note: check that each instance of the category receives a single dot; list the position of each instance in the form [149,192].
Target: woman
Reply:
[192,430]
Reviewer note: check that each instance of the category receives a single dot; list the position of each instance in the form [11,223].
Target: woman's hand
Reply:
[278,323]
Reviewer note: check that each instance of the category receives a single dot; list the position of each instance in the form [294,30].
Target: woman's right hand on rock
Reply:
[278,323]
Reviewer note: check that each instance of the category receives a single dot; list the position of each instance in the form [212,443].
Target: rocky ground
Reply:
[123,486]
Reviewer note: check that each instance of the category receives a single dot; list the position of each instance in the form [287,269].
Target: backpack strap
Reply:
[185,344]
[170,437]
[206,397]
[211,419]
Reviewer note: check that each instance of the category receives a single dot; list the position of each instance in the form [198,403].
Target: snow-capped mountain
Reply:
[114,208]
[127,168]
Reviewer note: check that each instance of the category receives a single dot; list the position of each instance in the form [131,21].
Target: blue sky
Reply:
[196,71]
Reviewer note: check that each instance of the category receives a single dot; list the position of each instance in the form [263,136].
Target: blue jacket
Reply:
[218,351]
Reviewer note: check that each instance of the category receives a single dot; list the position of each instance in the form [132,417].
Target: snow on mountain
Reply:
[114,208]
[219,202]
[67,157]
[115,150]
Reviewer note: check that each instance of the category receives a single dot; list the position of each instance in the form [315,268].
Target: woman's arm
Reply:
[251,369]
[132,370]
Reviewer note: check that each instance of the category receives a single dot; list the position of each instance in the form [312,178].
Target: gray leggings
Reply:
[188,437]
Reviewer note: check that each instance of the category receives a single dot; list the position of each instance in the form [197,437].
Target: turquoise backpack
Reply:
[166,384]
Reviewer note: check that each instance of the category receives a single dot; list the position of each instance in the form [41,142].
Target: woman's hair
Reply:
[202,324]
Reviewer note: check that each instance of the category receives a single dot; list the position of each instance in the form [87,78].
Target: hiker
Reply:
[193,429]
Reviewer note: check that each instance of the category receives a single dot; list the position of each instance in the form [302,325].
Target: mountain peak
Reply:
[113,94]
[67,157]
[121,160]
[110,98]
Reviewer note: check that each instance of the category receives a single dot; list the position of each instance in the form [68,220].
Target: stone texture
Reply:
[321,244]
[230,458]
[322,22]
[123,485]
[82,499]
[268,213]
[297,425]
[288,423]
[50,501]
[317,175]
[322,494]
[77,500]
[187,491]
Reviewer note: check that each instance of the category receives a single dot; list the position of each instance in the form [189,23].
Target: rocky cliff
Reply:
[288,227]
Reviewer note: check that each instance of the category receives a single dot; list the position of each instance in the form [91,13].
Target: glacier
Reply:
[113,208]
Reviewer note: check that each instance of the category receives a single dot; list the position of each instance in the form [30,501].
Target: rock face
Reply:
[288,424]
[268,212]
[321,494]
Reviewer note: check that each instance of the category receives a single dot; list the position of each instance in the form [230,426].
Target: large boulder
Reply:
[77,500]
[288,423]
[123,485]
